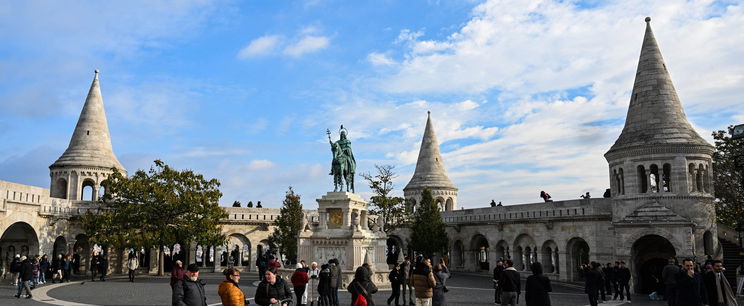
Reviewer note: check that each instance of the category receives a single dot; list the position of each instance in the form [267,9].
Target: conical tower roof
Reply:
[90,145]
[429,167]
[655,115]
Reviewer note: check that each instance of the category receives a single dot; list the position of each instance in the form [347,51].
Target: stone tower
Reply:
[660,168]
[430,173]
[89,157]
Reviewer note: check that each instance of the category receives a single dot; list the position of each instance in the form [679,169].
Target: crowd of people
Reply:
[28,273]
[423,284]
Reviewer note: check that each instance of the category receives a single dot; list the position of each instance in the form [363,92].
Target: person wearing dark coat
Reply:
[497,271]
[362,285]
[669,277]
[324,286]
[396,279]
[441,274]
[593,280]
[690,288]
[537,287]
[103,268]
[273,289]
[406,269]
[623,280]
[609,273]
[717,287]
[94,262]
[43,268]
[510,285]
[25,274]
[190,290]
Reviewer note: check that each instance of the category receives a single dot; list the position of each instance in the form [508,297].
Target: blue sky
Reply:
[525,95]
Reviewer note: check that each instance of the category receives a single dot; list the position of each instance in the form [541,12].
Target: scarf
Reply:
[723,287]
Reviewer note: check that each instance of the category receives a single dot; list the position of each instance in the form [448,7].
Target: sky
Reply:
[525,95]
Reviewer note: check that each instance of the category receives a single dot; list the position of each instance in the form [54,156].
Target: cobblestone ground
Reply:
[465,289]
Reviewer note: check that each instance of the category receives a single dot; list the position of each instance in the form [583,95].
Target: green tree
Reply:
[428,235]
[727,178]
[288,225]
[391,209]
[155,208]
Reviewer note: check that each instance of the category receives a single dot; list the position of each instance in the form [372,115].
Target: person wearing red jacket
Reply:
[299,281]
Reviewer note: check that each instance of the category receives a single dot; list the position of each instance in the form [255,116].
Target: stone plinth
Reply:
[343,232]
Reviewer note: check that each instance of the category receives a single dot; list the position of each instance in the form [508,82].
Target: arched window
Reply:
[87,192]
[616,180]
[642,179]
[622,182]
[691,175]
[699,178]
[706,180]
[653,178]
[666,178]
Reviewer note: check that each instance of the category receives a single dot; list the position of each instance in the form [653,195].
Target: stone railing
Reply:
[551,210]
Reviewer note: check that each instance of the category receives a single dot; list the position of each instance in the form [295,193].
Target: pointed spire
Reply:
[90,145]
[655,115]
[429,167]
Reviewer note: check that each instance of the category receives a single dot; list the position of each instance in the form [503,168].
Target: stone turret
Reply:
[430,173]
[89,157]
[659,163]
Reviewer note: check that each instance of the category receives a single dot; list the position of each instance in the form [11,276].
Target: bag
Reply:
[360,301]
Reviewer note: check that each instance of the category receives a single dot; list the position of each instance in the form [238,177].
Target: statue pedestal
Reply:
[343,233]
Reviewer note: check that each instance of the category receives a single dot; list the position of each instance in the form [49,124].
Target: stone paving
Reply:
[465,289]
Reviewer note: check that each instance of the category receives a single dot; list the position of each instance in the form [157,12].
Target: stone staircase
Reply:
[731,259]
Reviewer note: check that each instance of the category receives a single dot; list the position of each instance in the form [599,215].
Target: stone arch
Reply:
[666,178]
[88,190]
[649,254]
[578,254]
[449,204]
[691,175]
[239,250]
[642,179]
[21,237]
[440,203]
[60,188]
[502,249]
[458,254]
[653,178]
[479,246]
[525,245]
[394,250]
[706,179]
[549,256]
[81,249]
[60,246]
[699,178]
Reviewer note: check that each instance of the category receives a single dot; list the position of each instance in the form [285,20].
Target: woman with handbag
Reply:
[441,274]
[362,287]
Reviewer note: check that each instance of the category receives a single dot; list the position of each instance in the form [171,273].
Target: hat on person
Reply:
[193,268]
[298,266]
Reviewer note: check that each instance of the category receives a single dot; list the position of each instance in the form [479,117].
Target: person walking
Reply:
[132,265]
[362,288]
[67,267]
[717,287]
[592,283]
[25,275]
[441,274]
[602,280]
[43,268]
[229,289]
[312,286]
[497,271]
[690,289]
[102,267]
[510,285]
[299,282]
[324,285]
[395,277]
[423,282]
[94,262]
[261,264]
[609,274]
[669,277]
[57,268]
[273,289]
[15,269]
[189,291]
[405,273]
[36,267]
[177,273]
[623,280]
[537,287]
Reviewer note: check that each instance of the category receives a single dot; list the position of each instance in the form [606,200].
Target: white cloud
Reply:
[260,164]
[306,45]
[263,45]
[380,59]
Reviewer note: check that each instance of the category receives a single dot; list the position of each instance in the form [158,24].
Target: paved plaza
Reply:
[465,289]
